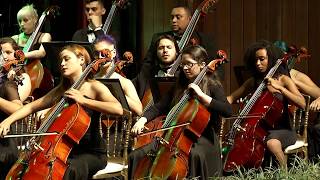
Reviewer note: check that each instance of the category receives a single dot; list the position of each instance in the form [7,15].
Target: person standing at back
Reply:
[94,10]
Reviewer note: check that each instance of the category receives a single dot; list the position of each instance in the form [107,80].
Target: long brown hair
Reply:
[79,51]
[10,41]
[200,55]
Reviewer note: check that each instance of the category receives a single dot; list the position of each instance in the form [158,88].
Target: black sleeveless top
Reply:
[91,142]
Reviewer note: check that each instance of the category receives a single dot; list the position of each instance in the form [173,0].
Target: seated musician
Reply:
[307,86]
[204,160]
[9,46]
[164,55]
[27,18]
[260,57]
[87,157]
[9,103]
[109,43]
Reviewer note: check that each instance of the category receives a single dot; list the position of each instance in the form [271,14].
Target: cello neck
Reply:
[32,39]
[186,95]
[184,40]
[116,4]
[245,111]
[35,34]
[202,9]
[108,22]
[61,104]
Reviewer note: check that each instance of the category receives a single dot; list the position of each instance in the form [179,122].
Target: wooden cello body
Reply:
[46,157]
[249,146]
[189,119]
[246,138]
[51,162]
[171,160]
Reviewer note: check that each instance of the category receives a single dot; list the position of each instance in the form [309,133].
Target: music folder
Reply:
[164,84]
[116,89]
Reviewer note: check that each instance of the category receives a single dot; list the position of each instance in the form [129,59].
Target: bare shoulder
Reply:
[45,37]
[97,85]
[284,77]
[15,37]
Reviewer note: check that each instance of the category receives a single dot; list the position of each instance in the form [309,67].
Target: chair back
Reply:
[301,118]
[116,131]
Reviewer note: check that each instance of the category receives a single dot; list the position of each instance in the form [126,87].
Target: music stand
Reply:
[53,48]
[164,84]
[116,89]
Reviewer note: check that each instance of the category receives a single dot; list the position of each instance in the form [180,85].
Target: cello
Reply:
[46,157]
[41,78]
[185,122]
[263,111]
[202,10]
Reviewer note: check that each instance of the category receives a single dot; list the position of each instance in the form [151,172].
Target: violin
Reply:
[171,158]
[120,64]
[46,156]
[117,65]
[15,65]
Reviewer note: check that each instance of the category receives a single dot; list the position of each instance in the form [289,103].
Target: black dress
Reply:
[205,157]
[283,132]
[8,146]
[89,156]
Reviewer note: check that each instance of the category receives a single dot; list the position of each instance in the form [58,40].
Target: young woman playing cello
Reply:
[88,156]
[204,159]
[260,57]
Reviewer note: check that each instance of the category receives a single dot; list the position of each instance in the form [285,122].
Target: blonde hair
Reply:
[28,8]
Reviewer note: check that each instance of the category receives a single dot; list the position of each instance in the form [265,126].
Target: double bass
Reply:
[185,121]
[263,111]
[46,157]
